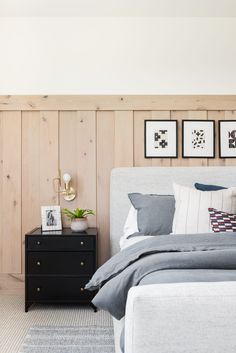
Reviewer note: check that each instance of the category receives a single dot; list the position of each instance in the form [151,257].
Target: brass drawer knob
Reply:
[38,289]
[38,242]
[82,263]
[81,243]
[38,263]
[81,289]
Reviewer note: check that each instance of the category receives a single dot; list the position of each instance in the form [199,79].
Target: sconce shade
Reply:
[68,192]
[66,178]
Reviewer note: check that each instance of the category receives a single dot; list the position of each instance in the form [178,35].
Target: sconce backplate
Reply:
[69,195]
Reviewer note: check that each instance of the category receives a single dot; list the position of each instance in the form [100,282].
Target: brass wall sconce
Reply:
[68,192]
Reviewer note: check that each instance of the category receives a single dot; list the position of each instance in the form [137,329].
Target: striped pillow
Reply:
[191,208]
[222,221]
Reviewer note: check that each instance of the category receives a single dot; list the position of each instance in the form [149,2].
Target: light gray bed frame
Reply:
[149,311]
[155,180]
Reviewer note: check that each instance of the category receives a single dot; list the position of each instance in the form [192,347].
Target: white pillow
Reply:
[191,208]
[131,223]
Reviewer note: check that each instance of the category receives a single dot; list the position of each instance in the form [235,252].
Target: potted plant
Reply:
[78,218]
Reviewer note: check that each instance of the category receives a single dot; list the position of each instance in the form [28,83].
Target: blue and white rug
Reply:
[73,339]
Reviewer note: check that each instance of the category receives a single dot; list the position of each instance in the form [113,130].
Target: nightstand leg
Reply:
[94,307]
[27,305]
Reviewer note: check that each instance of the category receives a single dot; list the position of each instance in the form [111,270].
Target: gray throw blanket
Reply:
[215,254]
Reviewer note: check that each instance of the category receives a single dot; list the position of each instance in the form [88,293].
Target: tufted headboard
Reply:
[155,180]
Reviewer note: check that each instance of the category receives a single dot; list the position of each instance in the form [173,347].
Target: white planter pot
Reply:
[79,224]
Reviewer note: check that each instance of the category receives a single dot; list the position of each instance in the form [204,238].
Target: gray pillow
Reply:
[155,213]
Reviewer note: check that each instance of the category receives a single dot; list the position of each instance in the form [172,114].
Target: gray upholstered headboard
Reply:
[155,180]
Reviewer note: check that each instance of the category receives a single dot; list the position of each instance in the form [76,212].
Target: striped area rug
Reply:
[68,339]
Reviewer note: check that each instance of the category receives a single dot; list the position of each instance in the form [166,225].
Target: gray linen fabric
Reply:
[128,268]
[155,213]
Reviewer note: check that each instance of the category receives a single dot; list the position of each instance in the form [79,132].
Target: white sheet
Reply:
[131,223]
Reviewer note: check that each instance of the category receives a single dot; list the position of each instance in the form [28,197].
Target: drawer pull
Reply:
[82,263]
[38,289]
[81,243]
[38,242]
[38,263]
[81,289]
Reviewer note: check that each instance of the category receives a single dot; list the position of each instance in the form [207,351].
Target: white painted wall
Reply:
[118,8]
[117,55]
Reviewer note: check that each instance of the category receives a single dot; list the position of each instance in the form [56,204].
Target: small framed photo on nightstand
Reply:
[51,218]
[227,138]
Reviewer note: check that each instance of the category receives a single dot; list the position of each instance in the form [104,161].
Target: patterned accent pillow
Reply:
[222,221]
[191,208]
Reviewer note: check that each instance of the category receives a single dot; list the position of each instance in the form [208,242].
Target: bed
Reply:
[172,317]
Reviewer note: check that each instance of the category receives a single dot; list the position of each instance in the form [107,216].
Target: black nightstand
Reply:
[58,264]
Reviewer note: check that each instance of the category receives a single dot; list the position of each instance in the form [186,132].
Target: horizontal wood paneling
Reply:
[119,102]
[86,136]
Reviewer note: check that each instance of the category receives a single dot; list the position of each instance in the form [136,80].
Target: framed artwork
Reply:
[198,138]
[227,138]
[51,218]
[160,139]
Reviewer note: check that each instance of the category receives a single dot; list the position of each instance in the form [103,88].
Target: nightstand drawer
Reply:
[66,243]
[58,289]
[60,263]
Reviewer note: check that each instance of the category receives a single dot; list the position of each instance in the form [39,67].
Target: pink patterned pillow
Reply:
[222,221]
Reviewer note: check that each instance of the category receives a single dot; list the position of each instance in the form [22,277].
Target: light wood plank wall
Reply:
[85,136]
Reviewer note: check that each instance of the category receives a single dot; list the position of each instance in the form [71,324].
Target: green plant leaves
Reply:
[77,213]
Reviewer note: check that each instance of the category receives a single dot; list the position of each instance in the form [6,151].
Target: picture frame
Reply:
[51,218]
[198,138]
[227,138]
[160,138]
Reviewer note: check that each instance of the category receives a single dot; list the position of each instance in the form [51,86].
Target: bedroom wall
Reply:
[86,136]
[115,55]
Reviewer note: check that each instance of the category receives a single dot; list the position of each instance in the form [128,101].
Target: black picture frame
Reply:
[175,123]
[220,123]
[183,137]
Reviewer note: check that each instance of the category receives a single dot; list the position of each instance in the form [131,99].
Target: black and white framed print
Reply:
[51,218]
[198,138]
[160,138]
[227,138]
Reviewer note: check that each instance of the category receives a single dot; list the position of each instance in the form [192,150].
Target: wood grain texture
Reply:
[139,159]
[11,282]
[78,158]
[11,192]
[124,139]
[39,166]
[48,159]
[86,136]
[118,102]
[30,171]
[1,191]
[105,163]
